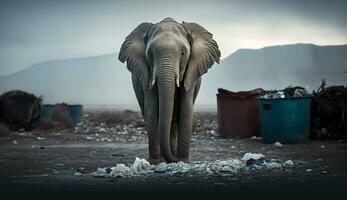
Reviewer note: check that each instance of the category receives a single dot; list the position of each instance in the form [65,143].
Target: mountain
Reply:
[92,80]
[104,80]
[277,67]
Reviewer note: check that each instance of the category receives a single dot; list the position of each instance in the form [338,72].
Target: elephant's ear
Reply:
[133,52]
[204,52]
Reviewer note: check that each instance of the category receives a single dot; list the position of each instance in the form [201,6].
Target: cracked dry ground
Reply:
[45,167]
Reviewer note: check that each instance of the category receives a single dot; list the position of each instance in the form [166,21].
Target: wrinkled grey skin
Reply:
[167,60]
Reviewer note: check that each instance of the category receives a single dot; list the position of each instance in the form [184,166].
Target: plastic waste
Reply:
[278,144]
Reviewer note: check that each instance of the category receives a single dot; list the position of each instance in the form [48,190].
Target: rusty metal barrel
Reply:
[238,113]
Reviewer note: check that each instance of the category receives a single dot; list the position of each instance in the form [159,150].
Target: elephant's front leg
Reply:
[151,121]
[185,124]
[174,125]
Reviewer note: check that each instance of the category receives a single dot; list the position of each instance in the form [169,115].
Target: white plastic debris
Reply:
[15,142]
[89,138]
[278,144]
[140,164]
[300,93]
[230,166]
[77,174]
[324,131]
[281,94]
[308,170]
[273,165]
[227,169]
[254,156]
[102,130]
[288,163]
[40,138]
[120,170]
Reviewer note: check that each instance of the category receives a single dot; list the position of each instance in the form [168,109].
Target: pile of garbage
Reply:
[289,91]
[328,112]
[241,94]
[19,110]
[140,167]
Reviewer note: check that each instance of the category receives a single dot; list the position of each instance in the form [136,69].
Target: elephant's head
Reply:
[168,54]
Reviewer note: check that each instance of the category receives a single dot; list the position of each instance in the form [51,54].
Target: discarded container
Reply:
[46,111]
[238,113]
[286,120]
[75,112]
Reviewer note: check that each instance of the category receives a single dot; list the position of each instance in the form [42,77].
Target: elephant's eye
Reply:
[182,53]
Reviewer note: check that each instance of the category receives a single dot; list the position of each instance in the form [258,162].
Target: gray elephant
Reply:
[162,58]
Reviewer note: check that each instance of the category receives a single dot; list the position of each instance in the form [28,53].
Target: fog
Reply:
[37,31]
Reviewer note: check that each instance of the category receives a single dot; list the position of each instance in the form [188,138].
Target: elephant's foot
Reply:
[155,161]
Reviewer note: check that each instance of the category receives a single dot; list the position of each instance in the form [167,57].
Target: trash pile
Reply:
[242,94]
[289,91]
[205,123]
[108,133]
[140,167]
[329,110]
[20,110]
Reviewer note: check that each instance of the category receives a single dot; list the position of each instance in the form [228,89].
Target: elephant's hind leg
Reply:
[185,124]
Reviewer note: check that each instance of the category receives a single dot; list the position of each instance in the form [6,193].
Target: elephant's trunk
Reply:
[166,89]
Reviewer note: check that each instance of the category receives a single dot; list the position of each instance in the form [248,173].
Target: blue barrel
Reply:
[75,112]
[286,120]
[46,111]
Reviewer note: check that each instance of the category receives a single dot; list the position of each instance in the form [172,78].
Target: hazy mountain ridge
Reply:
[279,66]
[104,80]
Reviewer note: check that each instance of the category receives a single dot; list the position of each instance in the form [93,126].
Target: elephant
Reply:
[166,61]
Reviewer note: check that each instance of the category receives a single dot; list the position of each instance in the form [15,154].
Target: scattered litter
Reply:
[308,170]
[89,138]
[102,130]
[40,138]
[230,166]
[322,147]
[289,91]
[253,158]
[273,165]
[256,138]
[35,176]
[330,122]
[15,142]
[21,130]
[141,164]
[288,163]
[300,92]
[324,172]
[77,174]
[105,140]
[274,95]
[120,170]
[278,144]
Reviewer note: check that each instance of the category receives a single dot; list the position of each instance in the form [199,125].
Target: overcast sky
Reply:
[34,31]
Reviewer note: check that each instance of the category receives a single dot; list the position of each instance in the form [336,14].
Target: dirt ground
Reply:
[43,164]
